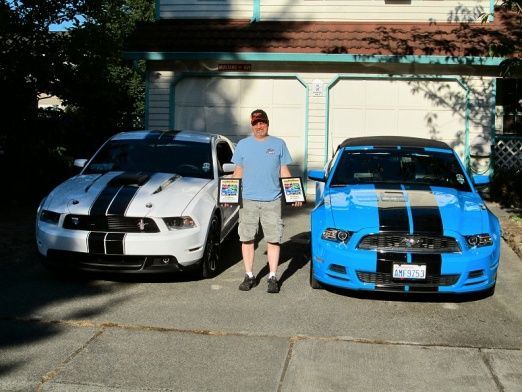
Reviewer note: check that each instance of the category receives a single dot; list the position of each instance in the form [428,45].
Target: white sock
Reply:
[271,274]
[250,274]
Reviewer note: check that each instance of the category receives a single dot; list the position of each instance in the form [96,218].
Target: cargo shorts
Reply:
[268,213]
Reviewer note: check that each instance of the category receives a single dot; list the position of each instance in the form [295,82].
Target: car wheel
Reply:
[314,283]
[210,261]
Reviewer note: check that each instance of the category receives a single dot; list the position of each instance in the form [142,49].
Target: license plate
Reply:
[409,271]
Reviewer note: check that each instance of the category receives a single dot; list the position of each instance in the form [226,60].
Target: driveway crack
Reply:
[49,376]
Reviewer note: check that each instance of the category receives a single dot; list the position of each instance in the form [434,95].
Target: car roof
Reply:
[183,135]
[393,141]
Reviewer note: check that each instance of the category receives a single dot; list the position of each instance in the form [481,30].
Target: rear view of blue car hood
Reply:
[407,209]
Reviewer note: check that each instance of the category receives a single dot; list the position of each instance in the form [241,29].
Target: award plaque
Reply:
[293,190]
[229,191]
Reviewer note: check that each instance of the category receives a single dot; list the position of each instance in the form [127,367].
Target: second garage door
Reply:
[375,107]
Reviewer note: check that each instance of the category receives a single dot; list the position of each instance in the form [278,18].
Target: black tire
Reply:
[314,283]
[211,255]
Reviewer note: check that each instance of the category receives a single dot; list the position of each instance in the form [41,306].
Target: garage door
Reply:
[419,108]
[223,105]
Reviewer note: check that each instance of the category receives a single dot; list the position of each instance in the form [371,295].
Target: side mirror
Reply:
[80,162]
[480,181]
[316,175]
[228,168]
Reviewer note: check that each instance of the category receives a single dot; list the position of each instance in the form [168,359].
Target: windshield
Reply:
[404,166]
[191,159]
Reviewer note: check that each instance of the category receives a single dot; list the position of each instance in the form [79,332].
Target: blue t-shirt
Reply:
[261,161]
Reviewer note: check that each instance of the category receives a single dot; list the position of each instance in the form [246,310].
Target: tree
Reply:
[83,66]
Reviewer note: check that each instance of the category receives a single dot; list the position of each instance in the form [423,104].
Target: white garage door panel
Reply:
[222,92]
[420,108]
[256,92]
[191,118]
[288,92]
[223,105]
[190,93]
[349,94]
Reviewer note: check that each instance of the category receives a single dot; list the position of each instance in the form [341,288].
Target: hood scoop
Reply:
[392,196]
[166,184]
[129,179]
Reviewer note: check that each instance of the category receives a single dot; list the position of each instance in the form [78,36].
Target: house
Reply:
[326,70]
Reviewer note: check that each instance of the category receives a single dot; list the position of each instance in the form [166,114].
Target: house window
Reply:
[509,99]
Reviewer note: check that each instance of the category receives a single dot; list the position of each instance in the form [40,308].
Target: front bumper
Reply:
[467,272]
[131,252]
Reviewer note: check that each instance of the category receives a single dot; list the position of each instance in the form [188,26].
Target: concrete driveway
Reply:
[65,333]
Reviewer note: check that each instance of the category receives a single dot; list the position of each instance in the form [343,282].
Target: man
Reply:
[260,161]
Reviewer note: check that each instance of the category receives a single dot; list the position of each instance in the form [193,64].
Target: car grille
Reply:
[110,223]
[383,278]
[409,243]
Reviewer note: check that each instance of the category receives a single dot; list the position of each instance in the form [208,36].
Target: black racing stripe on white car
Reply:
[96,242]
[425,210]
[385,263]
[122,200]
[433,264]
[114,244]
[117,195]
[393,215]
[103,200]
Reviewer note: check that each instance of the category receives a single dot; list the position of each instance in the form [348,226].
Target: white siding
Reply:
[329,10]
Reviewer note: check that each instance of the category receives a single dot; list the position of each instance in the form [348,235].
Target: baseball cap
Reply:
[258,115]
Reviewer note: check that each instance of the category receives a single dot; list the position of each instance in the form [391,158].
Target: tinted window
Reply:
[405,166]
[189,159]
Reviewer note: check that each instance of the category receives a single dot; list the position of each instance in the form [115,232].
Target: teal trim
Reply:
[157,10]
[451,78]
[147,102]
[491,16]
[256,11]
[441,150]
[229,75]
[315,57]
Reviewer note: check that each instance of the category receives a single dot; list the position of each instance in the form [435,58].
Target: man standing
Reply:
[260,161]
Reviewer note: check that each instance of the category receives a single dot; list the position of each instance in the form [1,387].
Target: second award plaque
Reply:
[293,190]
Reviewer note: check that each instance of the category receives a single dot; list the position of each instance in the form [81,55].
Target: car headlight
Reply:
[49,217]
[336,235]
[478,240]
[179,222]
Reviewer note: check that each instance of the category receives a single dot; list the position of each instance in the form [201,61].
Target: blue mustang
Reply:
[401,214]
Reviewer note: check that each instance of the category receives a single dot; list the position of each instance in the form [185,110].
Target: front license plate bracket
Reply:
[409,271]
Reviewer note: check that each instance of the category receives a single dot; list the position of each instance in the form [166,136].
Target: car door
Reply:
[224,152]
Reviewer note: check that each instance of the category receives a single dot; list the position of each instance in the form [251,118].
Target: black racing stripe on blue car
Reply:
[114,243]
[96,242]
[122,200]
[425,210]
[385,263]
[393,215]
[433,264]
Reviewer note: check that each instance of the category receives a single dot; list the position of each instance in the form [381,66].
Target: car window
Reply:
[405,166]
[190,159]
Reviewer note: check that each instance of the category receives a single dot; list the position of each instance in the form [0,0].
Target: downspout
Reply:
[256,11]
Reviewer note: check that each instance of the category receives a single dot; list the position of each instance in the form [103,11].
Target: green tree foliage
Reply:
[83,66]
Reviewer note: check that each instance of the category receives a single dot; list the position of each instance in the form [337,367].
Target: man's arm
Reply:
[238,172]
[285,172]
